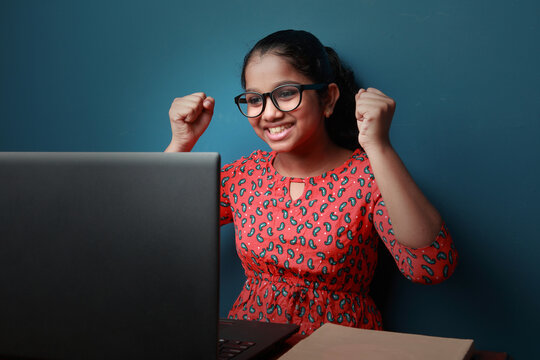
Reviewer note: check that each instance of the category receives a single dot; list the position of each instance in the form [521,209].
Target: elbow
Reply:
[433,270]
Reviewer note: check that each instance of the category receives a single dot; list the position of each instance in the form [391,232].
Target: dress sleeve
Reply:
[225,210]
[429,265]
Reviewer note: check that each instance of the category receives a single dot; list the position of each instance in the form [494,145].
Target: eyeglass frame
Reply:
[300,88]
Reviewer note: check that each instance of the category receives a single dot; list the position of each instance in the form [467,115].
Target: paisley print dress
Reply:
[309,261]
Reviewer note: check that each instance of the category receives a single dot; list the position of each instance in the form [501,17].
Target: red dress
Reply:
[309,261]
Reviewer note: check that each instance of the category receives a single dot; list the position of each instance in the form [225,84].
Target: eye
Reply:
[287,93]
[254,100]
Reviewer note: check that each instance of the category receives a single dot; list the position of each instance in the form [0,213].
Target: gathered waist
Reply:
[305,284]
[267,297]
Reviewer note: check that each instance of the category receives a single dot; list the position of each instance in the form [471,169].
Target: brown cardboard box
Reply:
[335,342]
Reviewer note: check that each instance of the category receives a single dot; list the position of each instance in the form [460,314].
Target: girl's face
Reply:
[294,131]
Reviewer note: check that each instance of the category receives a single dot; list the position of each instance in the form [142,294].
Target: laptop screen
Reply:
[109,255]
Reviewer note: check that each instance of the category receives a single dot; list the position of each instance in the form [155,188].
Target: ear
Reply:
[332,96]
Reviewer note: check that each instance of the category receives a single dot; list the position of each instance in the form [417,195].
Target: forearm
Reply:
[415,220]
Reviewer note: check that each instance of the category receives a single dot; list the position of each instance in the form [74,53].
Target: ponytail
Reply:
[341,125]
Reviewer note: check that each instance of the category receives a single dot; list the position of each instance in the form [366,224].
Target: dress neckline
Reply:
[337,170]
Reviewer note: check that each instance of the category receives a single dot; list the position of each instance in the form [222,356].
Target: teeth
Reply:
[277,130]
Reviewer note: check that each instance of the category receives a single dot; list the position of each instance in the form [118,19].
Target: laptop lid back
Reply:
[109,255]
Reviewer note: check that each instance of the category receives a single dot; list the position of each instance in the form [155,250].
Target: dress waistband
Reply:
[303,284]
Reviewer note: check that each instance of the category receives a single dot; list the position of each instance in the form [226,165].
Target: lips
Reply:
[278,132]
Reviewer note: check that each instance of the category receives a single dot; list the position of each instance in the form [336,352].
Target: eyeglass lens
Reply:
[286,98]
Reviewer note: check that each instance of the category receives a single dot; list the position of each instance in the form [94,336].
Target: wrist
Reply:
[377,147]
[178,146]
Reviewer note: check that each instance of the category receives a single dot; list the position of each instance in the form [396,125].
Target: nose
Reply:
[271,112]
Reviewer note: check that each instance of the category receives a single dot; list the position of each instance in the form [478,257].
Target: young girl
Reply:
[310,214]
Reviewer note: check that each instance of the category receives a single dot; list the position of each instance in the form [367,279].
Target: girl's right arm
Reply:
[190,116]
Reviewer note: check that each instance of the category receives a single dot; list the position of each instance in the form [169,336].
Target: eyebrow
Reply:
[276,85]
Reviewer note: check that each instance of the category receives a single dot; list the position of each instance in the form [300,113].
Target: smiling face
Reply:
[294,131]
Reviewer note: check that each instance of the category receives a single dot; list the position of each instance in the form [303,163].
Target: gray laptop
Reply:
[111,255]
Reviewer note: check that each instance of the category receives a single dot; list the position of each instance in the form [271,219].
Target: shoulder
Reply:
[256,157]
[256,160]
[360,162]
[359,167]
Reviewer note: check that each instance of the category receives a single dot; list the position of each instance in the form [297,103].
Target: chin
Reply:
[283,147]
[279,148]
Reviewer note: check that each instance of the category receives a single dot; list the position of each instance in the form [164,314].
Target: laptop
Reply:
[112,255]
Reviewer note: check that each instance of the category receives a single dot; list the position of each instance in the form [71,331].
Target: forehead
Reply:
[264,72]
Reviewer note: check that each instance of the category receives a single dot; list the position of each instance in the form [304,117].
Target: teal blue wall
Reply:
[100,76]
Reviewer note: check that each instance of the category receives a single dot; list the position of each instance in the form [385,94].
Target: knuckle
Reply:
[199,95]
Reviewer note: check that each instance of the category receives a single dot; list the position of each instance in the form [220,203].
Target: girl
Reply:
[310,214]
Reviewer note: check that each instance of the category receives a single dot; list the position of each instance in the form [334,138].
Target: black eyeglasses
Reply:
[285,98]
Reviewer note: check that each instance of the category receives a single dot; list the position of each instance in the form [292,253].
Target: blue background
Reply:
[101,75]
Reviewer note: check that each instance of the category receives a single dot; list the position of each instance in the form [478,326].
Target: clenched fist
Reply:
[190,116]
[374,112]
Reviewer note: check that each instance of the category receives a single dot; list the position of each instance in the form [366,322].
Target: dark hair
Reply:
[322,65]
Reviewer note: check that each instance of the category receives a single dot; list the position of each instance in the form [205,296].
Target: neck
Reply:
[313,162]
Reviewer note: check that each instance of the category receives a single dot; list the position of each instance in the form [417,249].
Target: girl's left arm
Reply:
[415,220]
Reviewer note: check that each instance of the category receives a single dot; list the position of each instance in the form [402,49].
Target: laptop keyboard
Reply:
[228,349]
